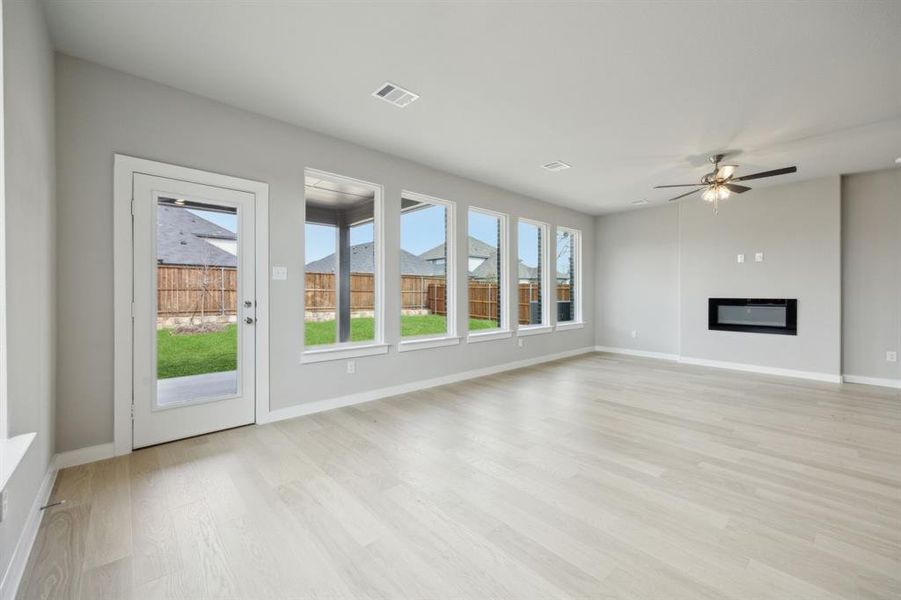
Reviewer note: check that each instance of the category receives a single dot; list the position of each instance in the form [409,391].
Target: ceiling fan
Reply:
[719,184]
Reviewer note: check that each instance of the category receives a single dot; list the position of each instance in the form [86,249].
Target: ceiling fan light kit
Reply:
[718,184]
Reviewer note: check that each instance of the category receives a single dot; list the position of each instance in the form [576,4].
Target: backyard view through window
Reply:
[196,273]
[486,269]
[567,244]
[423,268]
[341,268]
[530,238]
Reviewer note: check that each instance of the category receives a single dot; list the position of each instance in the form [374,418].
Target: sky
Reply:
[225,220]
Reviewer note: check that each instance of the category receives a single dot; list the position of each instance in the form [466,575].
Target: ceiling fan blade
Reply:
[762,174]
[738,189]
[657,187]
[683,195]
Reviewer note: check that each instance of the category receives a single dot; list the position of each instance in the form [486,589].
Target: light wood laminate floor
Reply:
[595,477]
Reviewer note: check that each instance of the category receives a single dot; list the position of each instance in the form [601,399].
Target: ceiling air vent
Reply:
[557,165]
[396,95]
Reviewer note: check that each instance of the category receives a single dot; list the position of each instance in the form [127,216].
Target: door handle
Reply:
[248,320]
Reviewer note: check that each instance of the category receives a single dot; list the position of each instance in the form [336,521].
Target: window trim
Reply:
[577,320]
[342,350]
[503,331]
[544,260]
[450,278]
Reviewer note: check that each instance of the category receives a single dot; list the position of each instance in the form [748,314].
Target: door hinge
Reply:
[132,207]
[132,412]
[132,310]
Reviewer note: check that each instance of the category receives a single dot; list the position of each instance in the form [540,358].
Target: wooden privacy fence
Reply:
[483,297]
[202,291]
[184,291]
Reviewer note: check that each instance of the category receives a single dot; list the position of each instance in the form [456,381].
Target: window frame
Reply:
[451,335]
[344,350]
[544,260]
[503,331]
[577,321]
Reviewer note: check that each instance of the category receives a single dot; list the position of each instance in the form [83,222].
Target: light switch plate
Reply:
[740,258]
[279,273]
[891,356]
[758,257]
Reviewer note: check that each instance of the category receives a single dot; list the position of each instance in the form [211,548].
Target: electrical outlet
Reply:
[740,258]
[758,257]
[519,342]
[891,356]
[351,367]
[634,334]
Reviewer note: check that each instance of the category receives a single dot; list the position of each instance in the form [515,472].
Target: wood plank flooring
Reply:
[595,477]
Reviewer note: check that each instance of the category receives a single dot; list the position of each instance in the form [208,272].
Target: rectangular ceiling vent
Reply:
[557,165]
[396,95]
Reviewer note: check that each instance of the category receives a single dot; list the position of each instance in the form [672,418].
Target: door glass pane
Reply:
[197,295]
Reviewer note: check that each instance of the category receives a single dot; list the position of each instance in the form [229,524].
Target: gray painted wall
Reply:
[871,272]
[101,111]
[637,280]
[666,257]
[798,228]
[30,252]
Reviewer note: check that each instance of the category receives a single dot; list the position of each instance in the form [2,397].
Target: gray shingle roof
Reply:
[361,257]
[477,249]
[488,270]
[182,239]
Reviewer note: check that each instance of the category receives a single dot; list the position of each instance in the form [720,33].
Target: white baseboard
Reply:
[309,408]
[642,353]
[719,364]
[880,381]
[13,577]
[83,456]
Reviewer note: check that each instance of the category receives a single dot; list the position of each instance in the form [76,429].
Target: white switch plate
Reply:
[740,258]
[758,257]
[634,334]
[279,273]
[351,367]
[519,342]
[891,356]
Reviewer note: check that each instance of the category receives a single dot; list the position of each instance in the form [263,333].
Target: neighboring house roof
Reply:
[488,270]
[477,249]
[182,239]
[362,255]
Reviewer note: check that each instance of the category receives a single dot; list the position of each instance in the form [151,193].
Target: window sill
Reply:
[342,352]
[488,336]
[423,344]
[534,330]
[12,451]
[570,325]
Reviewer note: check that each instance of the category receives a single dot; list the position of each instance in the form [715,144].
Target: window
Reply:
[532,266]
[426,267]
[487,271]
[342,279]
[569,294]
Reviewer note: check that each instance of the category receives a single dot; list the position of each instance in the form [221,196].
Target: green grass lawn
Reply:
[361,329]
[194,354]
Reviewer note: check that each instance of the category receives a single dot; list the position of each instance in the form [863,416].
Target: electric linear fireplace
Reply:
[754,315]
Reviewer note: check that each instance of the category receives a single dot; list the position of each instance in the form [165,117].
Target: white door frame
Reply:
[124,169]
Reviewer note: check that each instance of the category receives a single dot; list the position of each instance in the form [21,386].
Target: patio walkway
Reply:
[177,390]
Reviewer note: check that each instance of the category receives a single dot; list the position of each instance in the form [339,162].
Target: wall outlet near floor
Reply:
[891,356]
[519,342]
[634,334]
[351,367]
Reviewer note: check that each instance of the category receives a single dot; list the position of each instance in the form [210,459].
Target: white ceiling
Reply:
[630,94]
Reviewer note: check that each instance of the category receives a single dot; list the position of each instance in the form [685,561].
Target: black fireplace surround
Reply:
[754,315]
